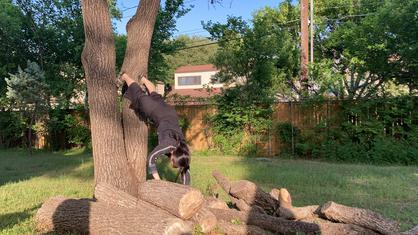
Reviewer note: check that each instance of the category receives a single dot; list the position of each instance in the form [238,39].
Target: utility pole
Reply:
[304,55]
[311,13]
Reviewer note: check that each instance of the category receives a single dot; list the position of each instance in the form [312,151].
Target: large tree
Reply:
[119,152]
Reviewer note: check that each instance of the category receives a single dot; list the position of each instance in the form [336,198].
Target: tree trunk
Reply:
[180,200]
[362,217]
[139,31]
[98,58]
[84,216]
[30,136]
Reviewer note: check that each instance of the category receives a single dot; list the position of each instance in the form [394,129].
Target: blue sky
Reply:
[202,11]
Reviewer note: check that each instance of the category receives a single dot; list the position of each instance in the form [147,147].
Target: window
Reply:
[189,80]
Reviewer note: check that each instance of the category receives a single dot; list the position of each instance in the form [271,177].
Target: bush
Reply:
[12,127]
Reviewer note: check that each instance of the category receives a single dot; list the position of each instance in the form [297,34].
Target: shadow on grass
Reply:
[16,165]
[10,219]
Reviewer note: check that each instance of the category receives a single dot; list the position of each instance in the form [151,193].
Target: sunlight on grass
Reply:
[26,182]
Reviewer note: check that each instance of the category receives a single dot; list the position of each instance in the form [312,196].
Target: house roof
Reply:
[191,96]
[196,68]
[195,93]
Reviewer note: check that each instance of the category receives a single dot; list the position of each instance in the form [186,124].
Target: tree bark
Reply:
[98,58]
[243,206]
[241,229]
[139,31]
[180,200]
[249,192]
[362,217]
[84,216]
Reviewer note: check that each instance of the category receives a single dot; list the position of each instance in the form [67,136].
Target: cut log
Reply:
[275,193]
[249,192]
[211,202]
[84,216]
[283,226]
[222,181]
[241,229]
[243,206]
[284,198]
[328,227]
[206,219]
[298,213]
[180,200]
[273,224]
[106,193]
[362,217]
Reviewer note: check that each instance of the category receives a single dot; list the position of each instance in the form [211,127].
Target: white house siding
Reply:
[205,80]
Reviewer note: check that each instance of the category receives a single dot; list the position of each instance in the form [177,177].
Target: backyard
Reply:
[26,182]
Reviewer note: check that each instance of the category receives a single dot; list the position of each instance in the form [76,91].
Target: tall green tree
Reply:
[27,93]
[366,45]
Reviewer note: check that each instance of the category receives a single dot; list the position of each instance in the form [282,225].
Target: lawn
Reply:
[25,182]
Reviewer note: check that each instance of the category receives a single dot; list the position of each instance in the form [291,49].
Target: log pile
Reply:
[167,208]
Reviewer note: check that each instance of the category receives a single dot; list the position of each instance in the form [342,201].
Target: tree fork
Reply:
[98,58]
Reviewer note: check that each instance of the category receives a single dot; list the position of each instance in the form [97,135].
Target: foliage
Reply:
[49,33]
[68,128]
[378,131]
[12,127]
[374,43]
[78,133]
[27,89]
[161,43]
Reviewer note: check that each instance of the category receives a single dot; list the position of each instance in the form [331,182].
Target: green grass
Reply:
[26,182]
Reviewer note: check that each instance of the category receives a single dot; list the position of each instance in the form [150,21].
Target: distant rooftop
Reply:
[196,68]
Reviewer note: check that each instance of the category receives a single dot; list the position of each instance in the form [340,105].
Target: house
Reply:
[193,82]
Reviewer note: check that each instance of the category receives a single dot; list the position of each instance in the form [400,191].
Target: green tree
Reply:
[14,49]
[27,93]
[366,45]
[161,45]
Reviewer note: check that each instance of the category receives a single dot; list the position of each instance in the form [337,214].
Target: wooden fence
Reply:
[301,115]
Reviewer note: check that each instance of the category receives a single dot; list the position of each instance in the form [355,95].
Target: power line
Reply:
[190,47]
[283,24]
[349,16]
